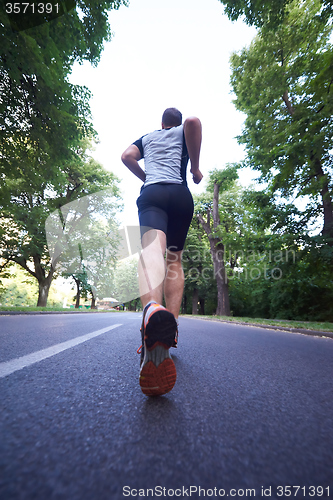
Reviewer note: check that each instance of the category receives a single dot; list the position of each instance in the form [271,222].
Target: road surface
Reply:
[251,414]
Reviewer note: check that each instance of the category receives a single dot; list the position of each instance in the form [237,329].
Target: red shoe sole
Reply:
[157,381]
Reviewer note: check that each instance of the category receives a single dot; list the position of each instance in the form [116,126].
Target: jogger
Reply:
[165,208]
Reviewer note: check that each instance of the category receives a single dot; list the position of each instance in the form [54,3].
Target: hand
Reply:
[197,176]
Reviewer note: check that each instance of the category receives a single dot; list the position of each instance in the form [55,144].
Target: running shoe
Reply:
[158,372]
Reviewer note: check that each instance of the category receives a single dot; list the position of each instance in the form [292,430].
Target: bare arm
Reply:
[193,136]
[130,158]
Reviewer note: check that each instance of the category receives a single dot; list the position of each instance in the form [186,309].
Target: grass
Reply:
[322,326]
[49,309]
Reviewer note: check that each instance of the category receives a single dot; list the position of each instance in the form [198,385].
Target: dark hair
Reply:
[172,117]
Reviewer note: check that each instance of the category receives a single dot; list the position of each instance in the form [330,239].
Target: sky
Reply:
[165,53]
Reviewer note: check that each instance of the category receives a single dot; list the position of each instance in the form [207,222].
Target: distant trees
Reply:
[18,288]
[268,264]
[30,200]
[21,289]
[83,241]
[284,278]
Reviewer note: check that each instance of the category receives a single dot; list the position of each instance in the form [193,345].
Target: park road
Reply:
[251,414]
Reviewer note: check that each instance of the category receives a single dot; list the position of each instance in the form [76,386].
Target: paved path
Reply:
[252,411]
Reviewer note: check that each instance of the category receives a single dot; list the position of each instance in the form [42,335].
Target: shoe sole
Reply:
[158,372]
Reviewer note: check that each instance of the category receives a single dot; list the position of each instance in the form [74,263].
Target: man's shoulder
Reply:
[170,132]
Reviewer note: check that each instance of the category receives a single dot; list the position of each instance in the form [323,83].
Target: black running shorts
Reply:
[169,208]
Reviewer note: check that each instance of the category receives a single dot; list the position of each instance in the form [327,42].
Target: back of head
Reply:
[172,117]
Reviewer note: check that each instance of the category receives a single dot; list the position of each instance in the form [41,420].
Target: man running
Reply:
[165,208]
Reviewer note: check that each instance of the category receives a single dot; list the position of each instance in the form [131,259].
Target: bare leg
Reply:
[174,282]
[151,266]
[158,372]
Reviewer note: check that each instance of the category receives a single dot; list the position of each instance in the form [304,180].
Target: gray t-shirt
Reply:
[165,154]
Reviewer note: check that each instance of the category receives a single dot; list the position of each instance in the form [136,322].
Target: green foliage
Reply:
[225,178]
[41,114]
[28,205]
[16,296]
[286,281]
[76,36]
[274,268]
[198,269]
[83,288]
[266,13]
[283,83]
[256,12]
[91,255]
[126,285]
[18,289]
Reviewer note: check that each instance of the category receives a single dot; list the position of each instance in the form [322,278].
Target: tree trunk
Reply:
[217,253]
[202,306]
[43,292]
[285,98]
[78,293]
[93,303]
[326,200]
[184,306]
[223,306]
[44,283]
[195,298]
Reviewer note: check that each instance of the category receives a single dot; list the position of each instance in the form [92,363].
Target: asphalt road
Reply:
[252,409]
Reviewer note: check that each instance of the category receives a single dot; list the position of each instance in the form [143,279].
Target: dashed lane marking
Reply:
[9,367]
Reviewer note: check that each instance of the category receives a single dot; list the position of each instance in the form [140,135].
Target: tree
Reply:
[101,260]
[89,246]
[40,111]
[82,286]
[275,269]
[29,204]
[208,214]
[200,284]
[249,234]
[283,83]
[126,282]
[266,13]
[43,122]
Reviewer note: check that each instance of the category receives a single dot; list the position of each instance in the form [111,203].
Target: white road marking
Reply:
[8,367]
